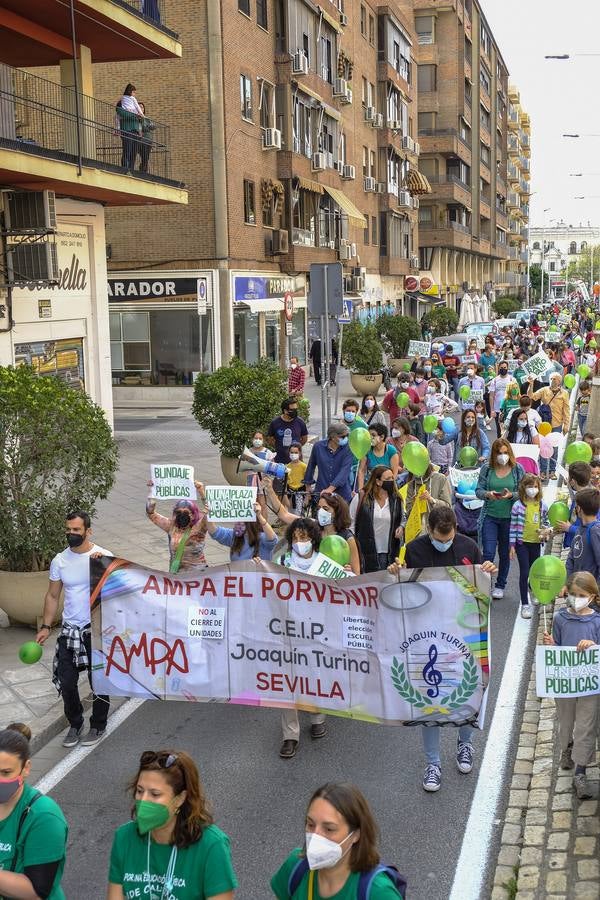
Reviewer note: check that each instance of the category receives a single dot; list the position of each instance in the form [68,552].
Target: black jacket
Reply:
[365,535]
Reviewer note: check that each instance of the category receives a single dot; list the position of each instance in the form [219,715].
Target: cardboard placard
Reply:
[228,503]
[172,481]
[537,364]
[419,348]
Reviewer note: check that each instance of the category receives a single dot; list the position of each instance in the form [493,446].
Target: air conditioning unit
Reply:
[352,250]
[415,202]
[30,211]
[414,262]
[370,112]
[281,242]
[394,124]
[358,283]
[370,185]
[343,19]
[348,173]
[272,139]
[359,271]
[318,162]
[381,187]
[347,283]
[408,143]
[345,252]
[404,199]
[378,121]
[300,63]
[339,87]
[348,97]
[417,148]
[34,262]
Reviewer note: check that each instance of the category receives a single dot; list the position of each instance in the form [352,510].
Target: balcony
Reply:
[513,174]
[446,142]
[47,131]
[445,234]
[450,189]
[513,145]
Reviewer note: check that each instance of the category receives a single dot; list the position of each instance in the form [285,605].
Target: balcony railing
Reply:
[150,11]
[444,132]
[449,179]
[44,118]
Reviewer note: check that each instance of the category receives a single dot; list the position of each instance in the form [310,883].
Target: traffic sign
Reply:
[321,274]
[202,295]
[288,301]
[346,316]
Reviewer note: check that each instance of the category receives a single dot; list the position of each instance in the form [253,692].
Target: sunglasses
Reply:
[164,759]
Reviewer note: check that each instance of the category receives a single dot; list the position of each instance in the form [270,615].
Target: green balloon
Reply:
[336,548]
[578,451]
[583,371]
[558,512]
[403,400]
[468,457]
[553,328]
[578,342]
[359,442]
[547,576]
[597,326]
[569,381]
[464,392]
[406,367]
[30,652]
[415,458]
[430,423]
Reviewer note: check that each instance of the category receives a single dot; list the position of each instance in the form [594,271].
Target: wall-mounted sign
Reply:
[45,309]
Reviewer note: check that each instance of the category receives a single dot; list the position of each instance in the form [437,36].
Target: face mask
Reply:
[182,519]
[369,404]
[293,366]
[343,441]
[502,459]
[257,442]
[292,413]
[75,540]
[239,529]
[149,816]
[531,492]
[470,373]
[388,486]
[403,385]
[324,517]
[469,422]
[321,853]
[396,433]
[427,368]
[418,380]
[431,390]
[441,546]
[349,416]
[373,442]
[522,423]
[294,457]
[504,372]
[9,787]
[302,548]
[577,603]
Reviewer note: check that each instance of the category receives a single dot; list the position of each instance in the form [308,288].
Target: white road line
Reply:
[471,868]
[72,759]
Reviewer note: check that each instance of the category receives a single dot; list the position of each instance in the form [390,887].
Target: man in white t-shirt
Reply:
[71,570]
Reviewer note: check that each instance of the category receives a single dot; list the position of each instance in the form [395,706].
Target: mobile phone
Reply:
[497,494]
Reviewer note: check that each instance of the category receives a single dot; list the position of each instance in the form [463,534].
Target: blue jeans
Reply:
[495,533]
[527,553]
[431,741]
[546,464]
[582,423]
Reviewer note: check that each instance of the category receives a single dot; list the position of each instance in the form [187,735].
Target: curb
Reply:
[49,725]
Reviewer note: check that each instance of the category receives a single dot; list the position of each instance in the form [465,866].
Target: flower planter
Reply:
[395,365]
[22,597]
[229,465]
[366,384]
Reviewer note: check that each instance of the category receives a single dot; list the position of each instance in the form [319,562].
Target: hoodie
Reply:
[584,554]
[568,628]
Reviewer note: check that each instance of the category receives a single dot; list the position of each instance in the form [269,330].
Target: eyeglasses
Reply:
[164,759]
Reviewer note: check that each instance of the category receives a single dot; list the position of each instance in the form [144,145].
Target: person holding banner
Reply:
[186,532]
[529,529]
[172,839]
[377,516]
[577,625]
[246,540]
[472,435]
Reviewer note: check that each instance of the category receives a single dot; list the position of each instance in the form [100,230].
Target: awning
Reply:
[329,110]
[307,185]
[424,298]
[335,23]
[417,183]
[354,214]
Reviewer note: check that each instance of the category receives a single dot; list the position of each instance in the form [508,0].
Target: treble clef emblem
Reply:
[431,675]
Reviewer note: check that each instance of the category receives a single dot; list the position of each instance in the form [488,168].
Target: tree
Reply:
[535,280]
[440,321]
[505,305]
[395,333]
[582,267]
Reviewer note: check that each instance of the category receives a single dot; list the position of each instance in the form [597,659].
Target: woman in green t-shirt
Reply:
[172,844]
[339,852]
[33,830]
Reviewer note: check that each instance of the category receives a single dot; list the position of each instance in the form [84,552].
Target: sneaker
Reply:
[288,749]
[92,737]
[566,760]
[71,738]
[464,757]
[318,731]
[432,779]
[525,611]
[581,787]
[532,599]
[553,476]
[497,593]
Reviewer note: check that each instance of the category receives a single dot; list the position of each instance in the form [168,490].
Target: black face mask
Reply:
[503,372]
[75,540]
[388,486]
[292,413]
[182,519]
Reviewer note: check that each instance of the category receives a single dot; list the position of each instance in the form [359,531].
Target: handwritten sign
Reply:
[230,504]
[469,358]
[512,364]
[553,337]
[537,364]
[564,318]
[564,672]
[476,395]
[386,649]
[172,481]
[419,348]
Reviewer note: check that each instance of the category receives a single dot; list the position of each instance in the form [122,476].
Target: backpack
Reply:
[544,412]
[364,882]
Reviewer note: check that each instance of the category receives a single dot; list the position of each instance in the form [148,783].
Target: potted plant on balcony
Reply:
[395,333]
[57,452]
[363,351]
[234,401]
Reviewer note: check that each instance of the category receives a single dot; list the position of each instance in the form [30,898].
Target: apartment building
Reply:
[518,176]
[462,131]
[61,166]
[297,134]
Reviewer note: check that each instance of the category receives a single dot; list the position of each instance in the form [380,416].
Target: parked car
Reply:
[454,343]
[475,328]
[521,314]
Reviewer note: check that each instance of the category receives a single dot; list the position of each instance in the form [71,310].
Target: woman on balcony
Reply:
[129,118]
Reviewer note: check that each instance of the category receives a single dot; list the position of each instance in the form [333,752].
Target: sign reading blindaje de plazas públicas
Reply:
[374,647]
[563,672]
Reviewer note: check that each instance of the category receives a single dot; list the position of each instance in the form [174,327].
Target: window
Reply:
[536,245]
[464,131]
[373,164]
[485,155]
[468,50]
[302,126]
[365,162]
[425,217]
[244,7]
[249,208]
[372,30]
[427,77]
[468,91]
[485,40]
[246,97]
[500,236]
[426,122]
[583,246]
[363,20]
[373,229]
[552,266]
[424,26]
[365,92]
[366,230]
[262,14]
[326,54]
[266,105]
[306,46]
[572,247]
[484,117]
[485,79]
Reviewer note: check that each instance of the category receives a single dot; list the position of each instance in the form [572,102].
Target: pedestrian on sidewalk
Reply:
[577,625]
[172,844]
[529,529]
[296,378]
[186,532]
[71,570]
[33,829]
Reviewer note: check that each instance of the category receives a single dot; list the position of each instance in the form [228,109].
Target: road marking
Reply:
[72,759]
[471,868]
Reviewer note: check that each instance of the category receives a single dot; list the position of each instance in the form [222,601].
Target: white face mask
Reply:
[502,459]
[431,390]
[396,433]
[294,457]
[257,442]
[321,853]
[531,492]
[324,517]
[294,366]
[369,404]
[522,423]
[302,548]
[469,422]
[577,603]
[470,373]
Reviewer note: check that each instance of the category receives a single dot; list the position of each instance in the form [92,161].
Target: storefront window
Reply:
[272,336]
[245,335]
[299,335]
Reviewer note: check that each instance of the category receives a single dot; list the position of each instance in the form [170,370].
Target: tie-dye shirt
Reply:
[193,555]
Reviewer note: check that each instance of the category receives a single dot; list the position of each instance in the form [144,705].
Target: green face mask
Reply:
[150,815]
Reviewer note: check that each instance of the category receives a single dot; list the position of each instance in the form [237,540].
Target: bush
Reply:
[505,305]
[236,400]
[395,333]
[440,320]
[57,452]
[361,348]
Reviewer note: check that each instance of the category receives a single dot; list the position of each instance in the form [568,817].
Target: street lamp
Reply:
[543,252]
[580,135]
[571,55]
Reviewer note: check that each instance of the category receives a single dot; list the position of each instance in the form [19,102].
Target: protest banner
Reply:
[536,364]
[465,477]
[564,672]
[552,337]
[564,317]
[377,647]
[227,503]
[542,324]
[526,451]
[480,338]
[172,481]
[476,395]
[469,358]
[512,365]
[327,568]
[419,348]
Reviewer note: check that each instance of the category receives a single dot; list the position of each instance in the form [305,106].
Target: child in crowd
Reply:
[595,467]
[246,540]
[577,625]
[413,415]
[440,454]
[583,404]
[295,494]
[580,477]
[483,420]
[589,438]
[584,553]
[254,479]
[467,509]
[529,528]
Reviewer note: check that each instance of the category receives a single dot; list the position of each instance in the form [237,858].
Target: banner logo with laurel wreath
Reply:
[444,706]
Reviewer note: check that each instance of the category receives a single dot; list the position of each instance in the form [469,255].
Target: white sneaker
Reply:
[525,611]
[497,593]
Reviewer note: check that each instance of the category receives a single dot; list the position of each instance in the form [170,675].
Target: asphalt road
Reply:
[259,799]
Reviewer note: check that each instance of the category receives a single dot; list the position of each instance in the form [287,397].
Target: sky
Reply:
[560,96]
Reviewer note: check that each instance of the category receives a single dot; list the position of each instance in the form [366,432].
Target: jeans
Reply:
[455,388]
[527,553]
[550,464]
[582,423]
[496,533]
[431,741]
[382,561]
[68,676]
